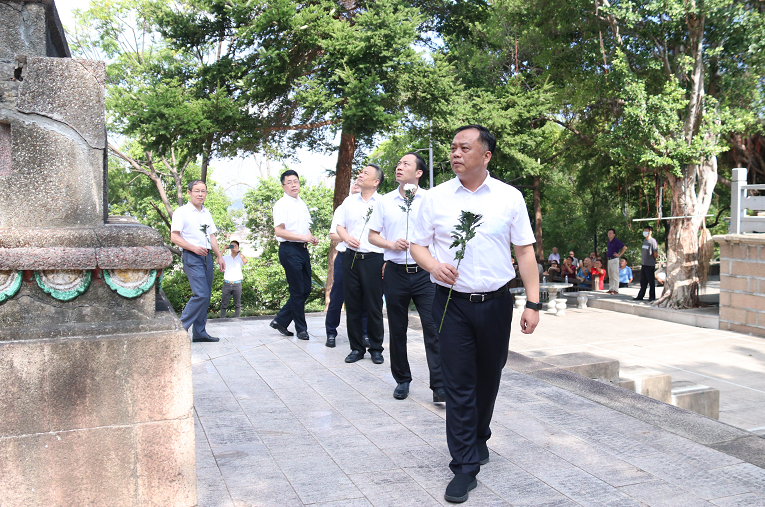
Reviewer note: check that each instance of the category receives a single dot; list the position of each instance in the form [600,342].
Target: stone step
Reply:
[589,365]
[697,398]
[648,382]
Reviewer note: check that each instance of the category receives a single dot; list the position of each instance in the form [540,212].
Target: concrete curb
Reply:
[716,435]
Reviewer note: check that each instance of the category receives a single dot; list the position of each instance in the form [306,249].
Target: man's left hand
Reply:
[221,263]
[529,321]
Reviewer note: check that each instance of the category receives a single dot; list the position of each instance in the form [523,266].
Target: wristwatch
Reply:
[533,306]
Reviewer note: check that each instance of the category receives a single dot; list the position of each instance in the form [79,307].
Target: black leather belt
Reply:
[409,269]
[362,256]
[477,297]
[298,243]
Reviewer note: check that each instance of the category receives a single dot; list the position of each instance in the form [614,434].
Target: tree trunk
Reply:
[343,172]
[206,159]
[538,248]
[681,290]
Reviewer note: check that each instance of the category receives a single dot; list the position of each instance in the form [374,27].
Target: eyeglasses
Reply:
[199,192]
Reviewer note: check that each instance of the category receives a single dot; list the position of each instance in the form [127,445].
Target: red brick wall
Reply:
[742,283]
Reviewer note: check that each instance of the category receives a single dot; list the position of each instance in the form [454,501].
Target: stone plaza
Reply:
[283,422]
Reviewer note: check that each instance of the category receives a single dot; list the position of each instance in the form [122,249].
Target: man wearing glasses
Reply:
[193,230]
[291,226]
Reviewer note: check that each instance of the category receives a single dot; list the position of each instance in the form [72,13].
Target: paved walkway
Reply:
[282,422]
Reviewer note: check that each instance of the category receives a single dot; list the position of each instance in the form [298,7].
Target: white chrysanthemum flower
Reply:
[410,186]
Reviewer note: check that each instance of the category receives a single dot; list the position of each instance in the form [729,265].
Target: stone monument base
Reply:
[98,420]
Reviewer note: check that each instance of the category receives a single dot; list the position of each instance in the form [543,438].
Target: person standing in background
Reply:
[649,251]
[232,279]
[292,222]
[614,251]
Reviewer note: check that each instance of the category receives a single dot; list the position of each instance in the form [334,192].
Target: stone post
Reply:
[96,398]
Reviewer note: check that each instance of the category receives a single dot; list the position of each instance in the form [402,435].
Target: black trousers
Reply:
[474,341]
[400,288]
[647,278]
[297,267]
[363,287]
[336,299]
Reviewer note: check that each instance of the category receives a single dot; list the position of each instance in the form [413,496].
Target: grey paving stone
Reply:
[317,478]
[752,477]
[704,484]
[224,431]
[385,432]
[517,486]
[353,502]
[585,489]
[746,500]
[750,448]
[661,494]
[393,488]
[211,489]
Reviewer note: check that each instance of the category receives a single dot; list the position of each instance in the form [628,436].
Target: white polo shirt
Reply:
[233,271]
[294,214]
[391,222]
[487,264]
[341,247]
[195,226]
[355,210]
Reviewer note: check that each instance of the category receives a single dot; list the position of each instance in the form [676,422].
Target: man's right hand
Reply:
[354,243]
[400,244]
[199,250]
[445,273]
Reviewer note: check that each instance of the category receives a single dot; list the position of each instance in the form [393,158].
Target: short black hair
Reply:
[380,174]
[234,241]
[487,138]
[288,172]
[612,229]
[648,227]
[196,182]
[421,165]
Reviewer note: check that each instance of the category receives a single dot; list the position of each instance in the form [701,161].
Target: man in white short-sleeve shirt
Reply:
[232,279]
[475,332]
[292,222]
[362,267]
[391,227]
[193,230]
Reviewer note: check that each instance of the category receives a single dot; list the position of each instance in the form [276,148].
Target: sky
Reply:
[236,176]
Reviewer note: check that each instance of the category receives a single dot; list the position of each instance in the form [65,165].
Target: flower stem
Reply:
[447,300]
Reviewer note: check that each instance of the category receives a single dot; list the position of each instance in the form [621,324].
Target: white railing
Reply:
[740,201]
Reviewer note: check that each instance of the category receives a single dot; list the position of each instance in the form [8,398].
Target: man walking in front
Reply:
[362,267]
[614,251]
[193,230]
[475,334]
[232,280]
[292,222]
[390,228]
[648,265]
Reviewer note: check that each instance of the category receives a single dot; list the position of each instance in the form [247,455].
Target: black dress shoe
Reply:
[439,395]
[651,299]
[483,452]
[207,338]
[366,341]
[457,490]
[354,356]
[303,335]
[377,357]
[331,341]
[283,330]
[637,299]
[401,391]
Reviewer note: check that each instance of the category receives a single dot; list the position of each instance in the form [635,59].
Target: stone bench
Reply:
[651,383]
[588,365]
[697,398]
